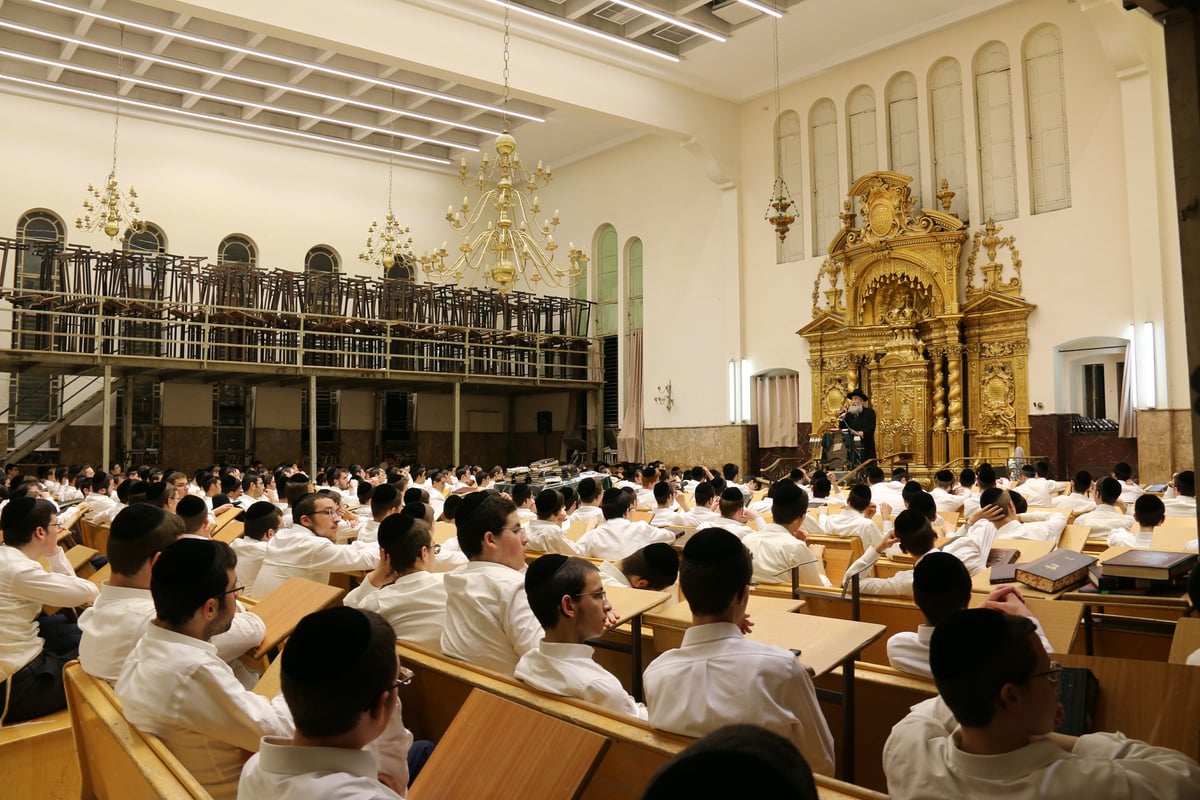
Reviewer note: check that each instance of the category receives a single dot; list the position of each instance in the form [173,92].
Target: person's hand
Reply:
[383,574]
[506,495]
[746,625]
[887,542]
[1011,604]
[990,513]
[390,782]
[870,511]
[611,618]
[818,550]
[885,510]
[1121,506]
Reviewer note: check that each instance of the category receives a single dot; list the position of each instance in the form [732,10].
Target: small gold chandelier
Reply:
[109,209]
[781,211]
[390,242]
[512,247]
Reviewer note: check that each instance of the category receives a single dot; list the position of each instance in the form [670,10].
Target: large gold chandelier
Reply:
[510,246]
[108,209]
[390,242]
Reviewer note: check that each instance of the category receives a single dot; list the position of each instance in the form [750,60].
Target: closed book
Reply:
[1003,573]
[1078,691]
[1152,565]
[1055,571]
[1002,555]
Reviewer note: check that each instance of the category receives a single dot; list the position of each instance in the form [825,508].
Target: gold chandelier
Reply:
[510,246]
[781,211]
[108,209]
[390,242]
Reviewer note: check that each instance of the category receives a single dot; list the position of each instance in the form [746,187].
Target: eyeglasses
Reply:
[234,590]
[1052,675]
[601,595]
[54,525]
[437,548]
[330,512]
[404,678]
[516,529]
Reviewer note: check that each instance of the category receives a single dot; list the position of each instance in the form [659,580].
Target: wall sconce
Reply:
[664,397]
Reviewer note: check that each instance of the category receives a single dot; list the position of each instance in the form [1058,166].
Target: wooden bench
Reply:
[115,760]
[228,532]
[1186,640]
[840,553]
[37,758]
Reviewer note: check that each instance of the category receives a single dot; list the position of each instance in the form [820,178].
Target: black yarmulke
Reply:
[861,490]
[712,546]
[326,644]
[939,572]
[662,557]
[733,495]
[190,506]
[297,477]
[260,509]
[964,641]
[784,492]
[156,491]
[543,569]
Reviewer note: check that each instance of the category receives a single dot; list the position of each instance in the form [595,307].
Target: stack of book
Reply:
[1143,572]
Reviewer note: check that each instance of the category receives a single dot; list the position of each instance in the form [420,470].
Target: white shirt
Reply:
[546,536]
[1119,537]
[909,652]
[718,677]
[645,499]
[701,517]
[1130,492]
[488,620]
[1180,506]
[24,588]
[250,554]
[947,501]
[1103,520]
[104,513]
[587,514]
[121,615]
[899,584]
[1074,502]
[889,493]
[569,671]
[611,575]
[732,525]
[1036,490]
[298,552]
[852,523]
[414,605]
[279,771]
[776,551]
[923,761]
[668,516]
[178,688]
[368,533]
[620,537]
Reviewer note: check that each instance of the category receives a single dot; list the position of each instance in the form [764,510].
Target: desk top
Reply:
[1030,549]
[823,642]
[283,608]
[1174,539]
[443,531]
[229,532]
[1186,640]
[680,614]
[629,603]
[269,684]
[1059,618]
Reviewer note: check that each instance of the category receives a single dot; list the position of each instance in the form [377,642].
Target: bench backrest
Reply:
[840,553]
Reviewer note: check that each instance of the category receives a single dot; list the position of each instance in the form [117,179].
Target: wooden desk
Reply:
[1059,618]
[1031,550]
[269,684]
[630,605]
[283,609]
[679,616]
[981,584]
[230,531]
[443,531]
[1186,640]
[1174,539]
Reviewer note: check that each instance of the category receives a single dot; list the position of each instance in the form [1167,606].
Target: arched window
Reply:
[993,111]
[152,239]
[823,150]
[36,229]
[633,284]
[34,398]
[903,130]
[1046,97]
[607,257]
[321,258]
[789,162]
[949,150]
[860,121]
[237,248]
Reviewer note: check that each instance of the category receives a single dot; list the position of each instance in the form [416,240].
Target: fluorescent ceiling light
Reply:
[760,7]
[716,37]
[225,120]
[293,62]
[575,26]
[221,98]
[233,76]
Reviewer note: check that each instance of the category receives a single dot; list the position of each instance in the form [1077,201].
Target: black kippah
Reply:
[939,571]
[262,508]
[861,490]
[156,490]
[661,557]
[964,641]
[712,546]
[733,495]
[298,477]
[784,492]
[190,506]
[543,569]
[326,644]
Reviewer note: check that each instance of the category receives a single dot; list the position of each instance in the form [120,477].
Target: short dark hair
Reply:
[1110,490]
[859,497]
[550,578]
[548,503]
[478,517]
[1028,471]
[874,474]
[911,488]
[615,503]
[230,484]
[588,489]
[704,493]
[994,496]
[943,478]
[1185,483]
[1082,481]
[941,586]
[256,527]
[1149,510]
[914,532]
[186,575]
[732,501]
[788,502]
[923,503]
[1122,471]
[974,654]
[657,563]
[967,477]
[383,499]
[521,492]
[730,471]
[337,663]
[22,516]
[192,511]
[821,487]
[986,476]
[402,536]
[735,761]
[662,492]
[137,533]
[451,506]
[715,567]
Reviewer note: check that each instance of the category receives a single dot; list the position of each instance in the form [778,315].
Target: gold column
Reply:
[954,380]
[938,435]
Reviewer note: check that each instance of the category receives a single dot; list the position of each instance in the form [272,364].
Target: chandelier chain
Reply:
[506,40]
[391,150]
[117,115]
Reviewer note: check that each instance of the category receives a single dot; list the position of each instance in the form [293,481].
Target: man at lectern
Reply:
[860,421]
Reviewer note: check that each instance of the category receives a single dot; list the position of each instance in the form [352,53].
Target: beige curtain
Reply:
[1127,411]
[778,407]
[629,439]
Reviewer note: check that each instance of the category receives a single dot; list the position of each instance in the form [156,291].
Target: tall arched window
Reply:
[321,258]
[823,147]
[789,162]
[949,149]
[237,248]
[1046,97]
[34,398]
[993,110]
[903,130]
[607,258]
[151,240]
[36,229]
[860,121]
[633,283]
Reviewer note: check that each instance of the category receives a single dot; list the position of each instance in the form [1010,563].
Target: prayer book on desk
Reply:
[1151,565]
[1055,571]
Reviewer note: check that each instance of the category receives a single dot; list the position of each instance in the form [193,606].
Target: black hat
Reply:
[857,393]
[190,506]
[260,509]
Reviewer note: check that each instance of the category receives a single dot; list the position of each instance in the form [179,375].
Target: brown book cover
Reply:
[1153,565]
[1002,555]
[1003,573]
[1055,571]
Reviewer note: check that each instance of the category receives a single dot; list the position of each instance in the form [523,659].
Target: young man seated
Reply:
[990,732]
[781,545]
[339,676]
[175,685]
[403,588]
[1131,490]
[718,677]
[857,518]
[307,549]
[1110,512]
[567,597]
[915,536]
[194,514]
[670,507]
[589,502]
[116,621]
[33,647]
[1077,500]
[735,517]
[546,532]
[261,522]
[704,512]
[946,496]
[999,509]
[735,761]
[941,587]
[488,620]
[654,567]
[383,502]
[522,497]
[1180,497]
[619,536]
[1148,512]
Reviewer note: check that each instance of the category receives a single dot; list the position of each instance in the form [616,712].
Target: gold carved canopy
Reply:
[896,312]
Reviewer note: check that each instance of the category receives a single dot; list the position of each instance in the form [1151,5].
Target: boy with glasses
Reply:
[990,732]
[568,599]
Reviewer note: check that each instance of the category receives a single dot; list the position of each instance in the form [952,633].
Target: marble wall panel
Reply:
[274,445]
[187,447]
[82,444]
[1164,443]
[687,447]
[356,447]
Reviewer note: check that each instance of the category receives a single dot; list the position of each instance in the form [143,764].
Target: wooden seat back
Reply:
[840,553]
[1186,640]
[579,527]
[230,531]
[443,531]
[1074,537]
[556,758]
[115,760]
[898,614]
[641,516]
[37,758]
